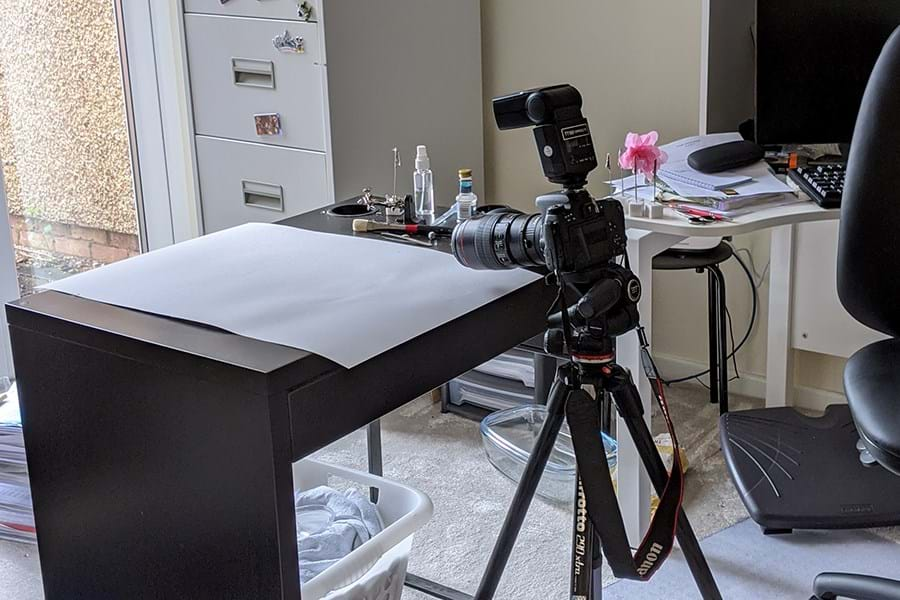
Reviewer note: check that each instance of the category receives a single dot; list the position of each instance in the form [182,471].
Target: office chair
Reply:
[709,261]
[868,281]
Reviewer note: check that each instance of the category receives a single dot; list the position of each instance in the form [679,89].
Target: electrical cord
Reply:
[753,316]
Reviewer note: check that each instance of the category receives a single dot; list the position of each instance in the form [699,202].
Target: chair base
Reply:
[798,472]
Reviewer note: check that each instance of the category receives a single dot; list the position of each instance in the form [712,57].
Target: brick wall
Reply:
[73,240]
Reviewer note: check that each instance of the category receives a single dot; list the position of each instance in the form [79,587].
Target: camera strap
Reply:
[599,496]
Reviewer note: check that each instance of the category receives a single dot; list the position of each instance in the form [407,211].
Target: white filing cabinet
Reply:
[298,104]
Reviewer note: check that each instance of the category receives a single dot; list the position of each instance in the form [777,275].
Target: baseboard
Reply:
[674,367]
[815,398]
[749,384]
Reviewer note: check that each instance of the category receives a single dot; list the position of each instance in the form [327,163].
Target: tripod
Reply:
[591,363]
[567,388]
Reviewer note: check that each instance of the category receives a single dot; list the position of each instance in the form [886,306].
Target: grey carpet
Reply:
[749,565]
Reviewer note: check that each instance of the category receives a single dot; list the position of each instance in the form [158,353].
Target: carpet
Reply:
[749,565]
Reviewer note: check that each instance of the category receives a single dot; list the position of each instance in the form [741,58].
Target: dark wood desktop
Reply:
[160,451]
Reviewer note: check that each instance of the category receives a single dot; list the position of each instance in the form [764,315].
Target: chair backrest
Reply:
[868,266]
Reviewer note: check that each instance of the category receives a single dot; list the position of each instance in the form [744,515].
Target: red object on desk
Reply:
[697,212]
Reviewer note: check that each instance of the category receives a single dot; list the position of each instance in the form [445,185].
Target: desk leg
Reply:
[544,374]
[633,483]
[373,449]
[779,358]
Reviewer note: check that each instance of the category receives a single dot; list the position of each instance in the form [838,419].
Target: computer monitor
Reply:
[813,59]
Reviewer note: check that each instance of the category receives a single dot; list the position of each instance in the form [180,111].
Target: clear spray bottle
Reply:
[423,186]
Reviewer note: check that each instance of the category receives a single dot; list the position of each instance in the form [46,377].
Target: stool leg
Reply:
[713,286]
[722,322]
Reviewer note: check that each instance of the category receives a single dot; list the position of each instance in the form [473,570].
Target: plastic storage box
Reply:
[509,436]
[377,569]
[488,391]
[515,364]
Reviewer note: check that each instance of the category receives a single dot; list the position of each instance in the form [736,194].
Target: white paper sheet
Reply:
[345,298]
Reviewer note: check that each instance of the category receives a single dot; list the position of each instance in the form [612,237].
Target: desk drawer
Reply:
[297,10]
[242,182]
[244,88]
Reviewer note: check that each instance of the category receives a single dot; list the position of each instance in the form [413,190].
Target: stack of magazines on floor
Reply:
[727,194]
[16,517]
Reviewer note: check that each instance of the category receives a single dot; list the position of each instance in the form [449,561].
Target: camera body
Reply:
[580,233]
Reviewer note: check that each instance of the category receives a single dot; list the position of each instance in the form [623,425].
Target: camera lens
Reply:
[499,240]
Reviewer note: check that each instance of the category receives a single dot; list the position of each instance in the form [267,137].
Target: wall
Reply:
[637,65]
[63,135]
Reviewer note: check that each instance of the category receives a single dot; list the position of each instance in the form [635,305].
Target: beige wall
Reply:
[637,65]
[63,135]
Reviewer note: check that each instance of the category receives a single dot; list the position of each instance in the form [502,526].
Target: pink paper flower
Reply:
[641,153]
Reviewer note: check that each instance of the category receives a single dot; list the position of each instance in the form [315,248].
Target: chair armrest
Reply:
[829,586]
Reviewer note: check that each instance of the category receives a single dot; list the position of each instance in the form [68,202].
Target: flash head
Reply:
[561,131]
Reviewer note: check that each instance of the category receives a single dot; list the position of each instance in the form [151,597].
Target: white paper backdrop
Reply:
[345,298]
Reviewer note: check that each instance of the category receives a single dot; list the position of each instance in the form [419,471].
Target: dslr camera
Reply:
[574,236]
[573,233]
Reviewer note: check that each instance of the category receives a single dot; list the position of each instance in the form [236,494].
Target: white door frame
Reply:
[160,120]
[9,282]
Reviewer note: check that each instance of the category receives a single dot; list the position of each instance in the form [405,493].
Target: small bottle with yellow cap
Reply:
[466,201]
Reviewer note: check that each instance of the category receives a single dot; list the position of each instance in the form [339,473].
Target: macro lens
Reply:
[499,240]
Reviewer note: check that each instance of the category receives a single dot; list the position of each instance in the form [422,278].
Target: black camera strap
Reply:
[601,503]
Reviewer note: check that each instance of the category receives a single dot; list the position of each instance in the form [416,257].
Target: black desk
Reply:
[160,451]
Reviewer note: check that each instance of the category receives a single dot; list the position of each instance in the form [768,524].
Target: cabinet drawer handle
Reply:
[263,195]
[290,43]
[253,73]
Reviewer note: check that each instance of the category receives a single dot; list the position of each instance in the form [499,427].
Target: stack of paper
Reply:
[753,180]
[16,516]
[729,192]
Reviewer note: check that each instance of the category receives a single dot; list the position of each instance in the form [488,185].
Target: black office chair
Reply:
[868,279]
[709,261]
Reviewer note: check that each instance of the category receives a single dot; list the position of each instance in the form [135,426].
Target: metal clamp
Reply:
[289,43]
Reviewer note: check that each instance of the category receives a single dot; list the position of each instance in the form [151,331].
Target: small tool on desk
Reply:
[406,238]
[609,171]
[365,225]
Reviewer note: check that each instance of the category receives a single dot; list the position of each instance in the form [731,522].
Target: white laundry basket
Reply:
[376,570]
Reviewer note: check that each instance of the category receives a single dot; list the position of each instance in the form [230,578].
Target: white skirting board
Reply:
[750,384]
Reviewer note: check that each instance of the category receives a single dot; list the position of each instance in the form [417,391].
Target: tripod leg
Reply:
[583,540]
[628,402]
[597,566]
[556,412]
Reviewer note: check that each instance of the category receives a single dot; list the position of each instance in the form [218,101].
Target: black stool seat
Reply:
[872,385]
[677,260]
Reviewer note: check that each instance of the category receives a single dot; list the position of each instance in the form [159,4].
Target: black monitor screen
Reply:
[813,59]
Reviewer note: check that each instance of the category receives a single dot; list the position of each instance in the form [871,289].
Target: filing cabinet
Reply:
[298,104]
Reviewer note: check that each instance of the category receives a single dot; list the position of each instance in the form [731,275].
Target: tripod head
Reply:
[606,308]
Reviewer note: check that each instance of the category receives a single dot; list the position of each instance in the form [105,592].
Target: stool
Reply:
[709,261]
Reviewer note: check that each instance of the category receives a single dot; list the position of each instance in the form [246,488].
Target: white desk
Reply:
[647,238]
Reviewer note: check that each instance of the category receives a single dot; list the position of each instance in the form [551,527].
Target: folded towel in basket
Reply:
[355,521]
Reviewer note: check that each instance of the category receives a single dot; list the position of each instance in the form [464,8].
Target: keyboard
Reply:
[823,183]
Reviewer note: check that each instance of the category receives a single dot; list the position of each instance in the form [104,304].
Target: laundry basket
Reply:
[376,570]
